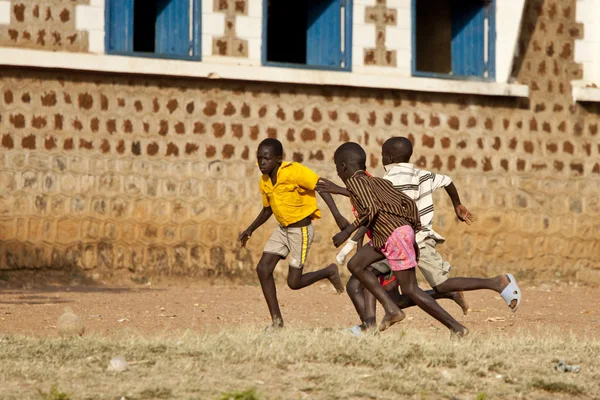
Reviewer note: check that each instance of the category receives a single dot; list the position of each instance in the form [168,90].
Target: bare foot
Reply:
[335,279]
[276,325]
[460,333]
[391,319]
[459,298]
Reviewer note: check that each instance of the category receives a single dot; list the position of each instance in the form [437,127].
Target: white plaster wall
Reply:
[4,12]
[90,18]
[586,49]
[247,27]
[509,14]
[398,38]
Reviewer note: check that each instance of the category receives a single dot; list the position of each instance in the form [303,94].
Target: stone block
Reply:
[67,230]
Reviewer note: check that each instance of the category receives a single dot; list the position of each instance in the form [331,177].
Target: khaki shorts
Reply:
[291,241]
[432,266]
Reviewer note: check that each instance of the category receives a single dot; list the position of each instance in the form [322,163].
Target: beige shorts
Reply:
[294,242]
[432,266]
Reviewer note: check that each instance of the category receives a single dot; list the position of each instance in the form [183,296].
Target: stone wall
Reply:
[157,175]
[44,25]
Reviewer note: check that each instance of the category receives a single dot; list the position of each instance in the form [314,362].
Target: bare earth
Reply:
[171,307]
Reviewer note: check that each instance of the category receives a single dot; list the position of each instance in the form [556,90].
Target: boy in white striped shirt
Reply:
[419,185]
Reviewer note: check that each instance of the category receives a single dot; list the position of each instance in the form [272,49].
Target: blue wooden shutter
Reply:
[468,38]
[120,28]
[324,33]
[173,27]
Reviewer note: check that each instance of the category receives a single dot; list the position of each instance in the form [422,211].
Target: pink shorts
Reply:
[400,249]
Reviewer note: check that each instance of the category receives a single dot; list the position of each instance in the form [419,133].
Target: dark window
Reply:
[163,28]
[454,37]
[313,33]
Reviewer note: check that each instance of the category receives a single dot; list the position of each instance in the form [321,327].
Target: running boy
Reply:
[363,301]
[288,191]
[393,219]
[420,185]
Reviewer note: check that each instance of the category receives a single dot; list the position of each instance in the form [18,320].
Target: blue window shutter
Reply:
[468,38]
[120,28]
[323,36]
[173,27]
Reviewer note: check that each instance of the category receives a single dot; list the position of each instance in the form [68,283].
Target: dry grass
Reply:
[315,364]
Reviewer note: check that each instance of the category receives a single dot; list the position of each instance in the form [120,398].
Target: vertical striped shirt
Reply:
[380,207]
[419,185]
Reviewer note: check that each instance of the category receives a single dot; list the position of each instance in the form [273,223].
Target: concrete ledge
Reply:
[584,92]
[195,69]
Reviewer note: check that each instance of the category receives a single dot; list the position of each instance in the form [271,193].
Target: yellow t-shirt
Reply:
[293,197]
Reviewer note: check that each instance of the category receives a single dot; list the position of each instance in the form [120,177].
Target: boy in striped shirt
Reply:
[392,218]
[419,185]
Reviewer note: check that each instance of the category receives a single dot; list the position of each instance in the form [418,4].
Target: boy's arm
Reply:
[368,210]
[326,186]
[461,211]
[262,217]
[306,178]
[351,244]
[341,222]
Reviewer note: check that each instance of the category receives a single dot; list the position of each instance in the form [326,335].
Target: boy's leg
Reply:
[298,242]
[356,292]
[391,286]
[401,253]
[496,284]
[265,269]
[436,272]
[298,280]
[358,265]
[408,284]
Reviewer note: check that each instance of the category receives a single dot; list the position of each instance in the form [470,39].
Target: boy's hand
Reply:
[464,215]
[244,237]
[341,237]
[326,186]
[341,222]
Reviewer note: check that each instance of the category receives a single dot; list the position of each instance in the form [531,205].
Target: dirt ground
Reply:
[176,306]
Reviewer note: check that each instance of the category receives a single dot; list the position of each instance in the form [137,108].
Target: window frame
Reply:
[348,20]
[491,45]
[195,41]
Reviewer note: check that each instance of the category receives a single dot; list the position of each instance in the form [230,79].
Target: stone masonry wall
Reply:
[44,25]
[158,175]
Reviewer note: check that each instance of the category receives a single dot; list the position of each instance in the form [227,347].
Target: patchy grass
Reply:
[248,364]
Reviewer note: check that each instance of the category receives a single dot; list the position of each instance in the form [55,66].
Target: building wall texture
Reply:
[158,175]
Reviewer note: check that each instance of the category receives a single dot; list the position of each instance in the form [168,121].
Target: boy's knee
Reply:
[354,266]
[263,270]
[353,285]
[293,283]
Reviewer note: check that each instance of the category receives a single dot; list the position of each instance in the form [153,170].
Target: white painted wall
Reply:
[90,18]
[4,12]
[247,27]
[509,14]
[398,38]
[586,49]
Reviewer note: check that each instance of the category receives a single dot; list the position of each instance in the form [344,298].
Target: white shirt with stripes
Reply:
[419,185]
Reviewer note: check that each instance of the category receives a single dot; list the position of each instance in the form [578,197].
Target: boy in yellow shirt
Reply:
[288,191]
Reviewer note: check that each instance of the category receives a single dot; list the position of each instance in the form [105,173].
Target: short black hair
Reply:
[351,152]
[274,144]
[399,147]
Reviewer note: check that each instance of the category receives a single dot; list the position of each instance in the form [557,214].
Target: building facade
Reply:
[128,132]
